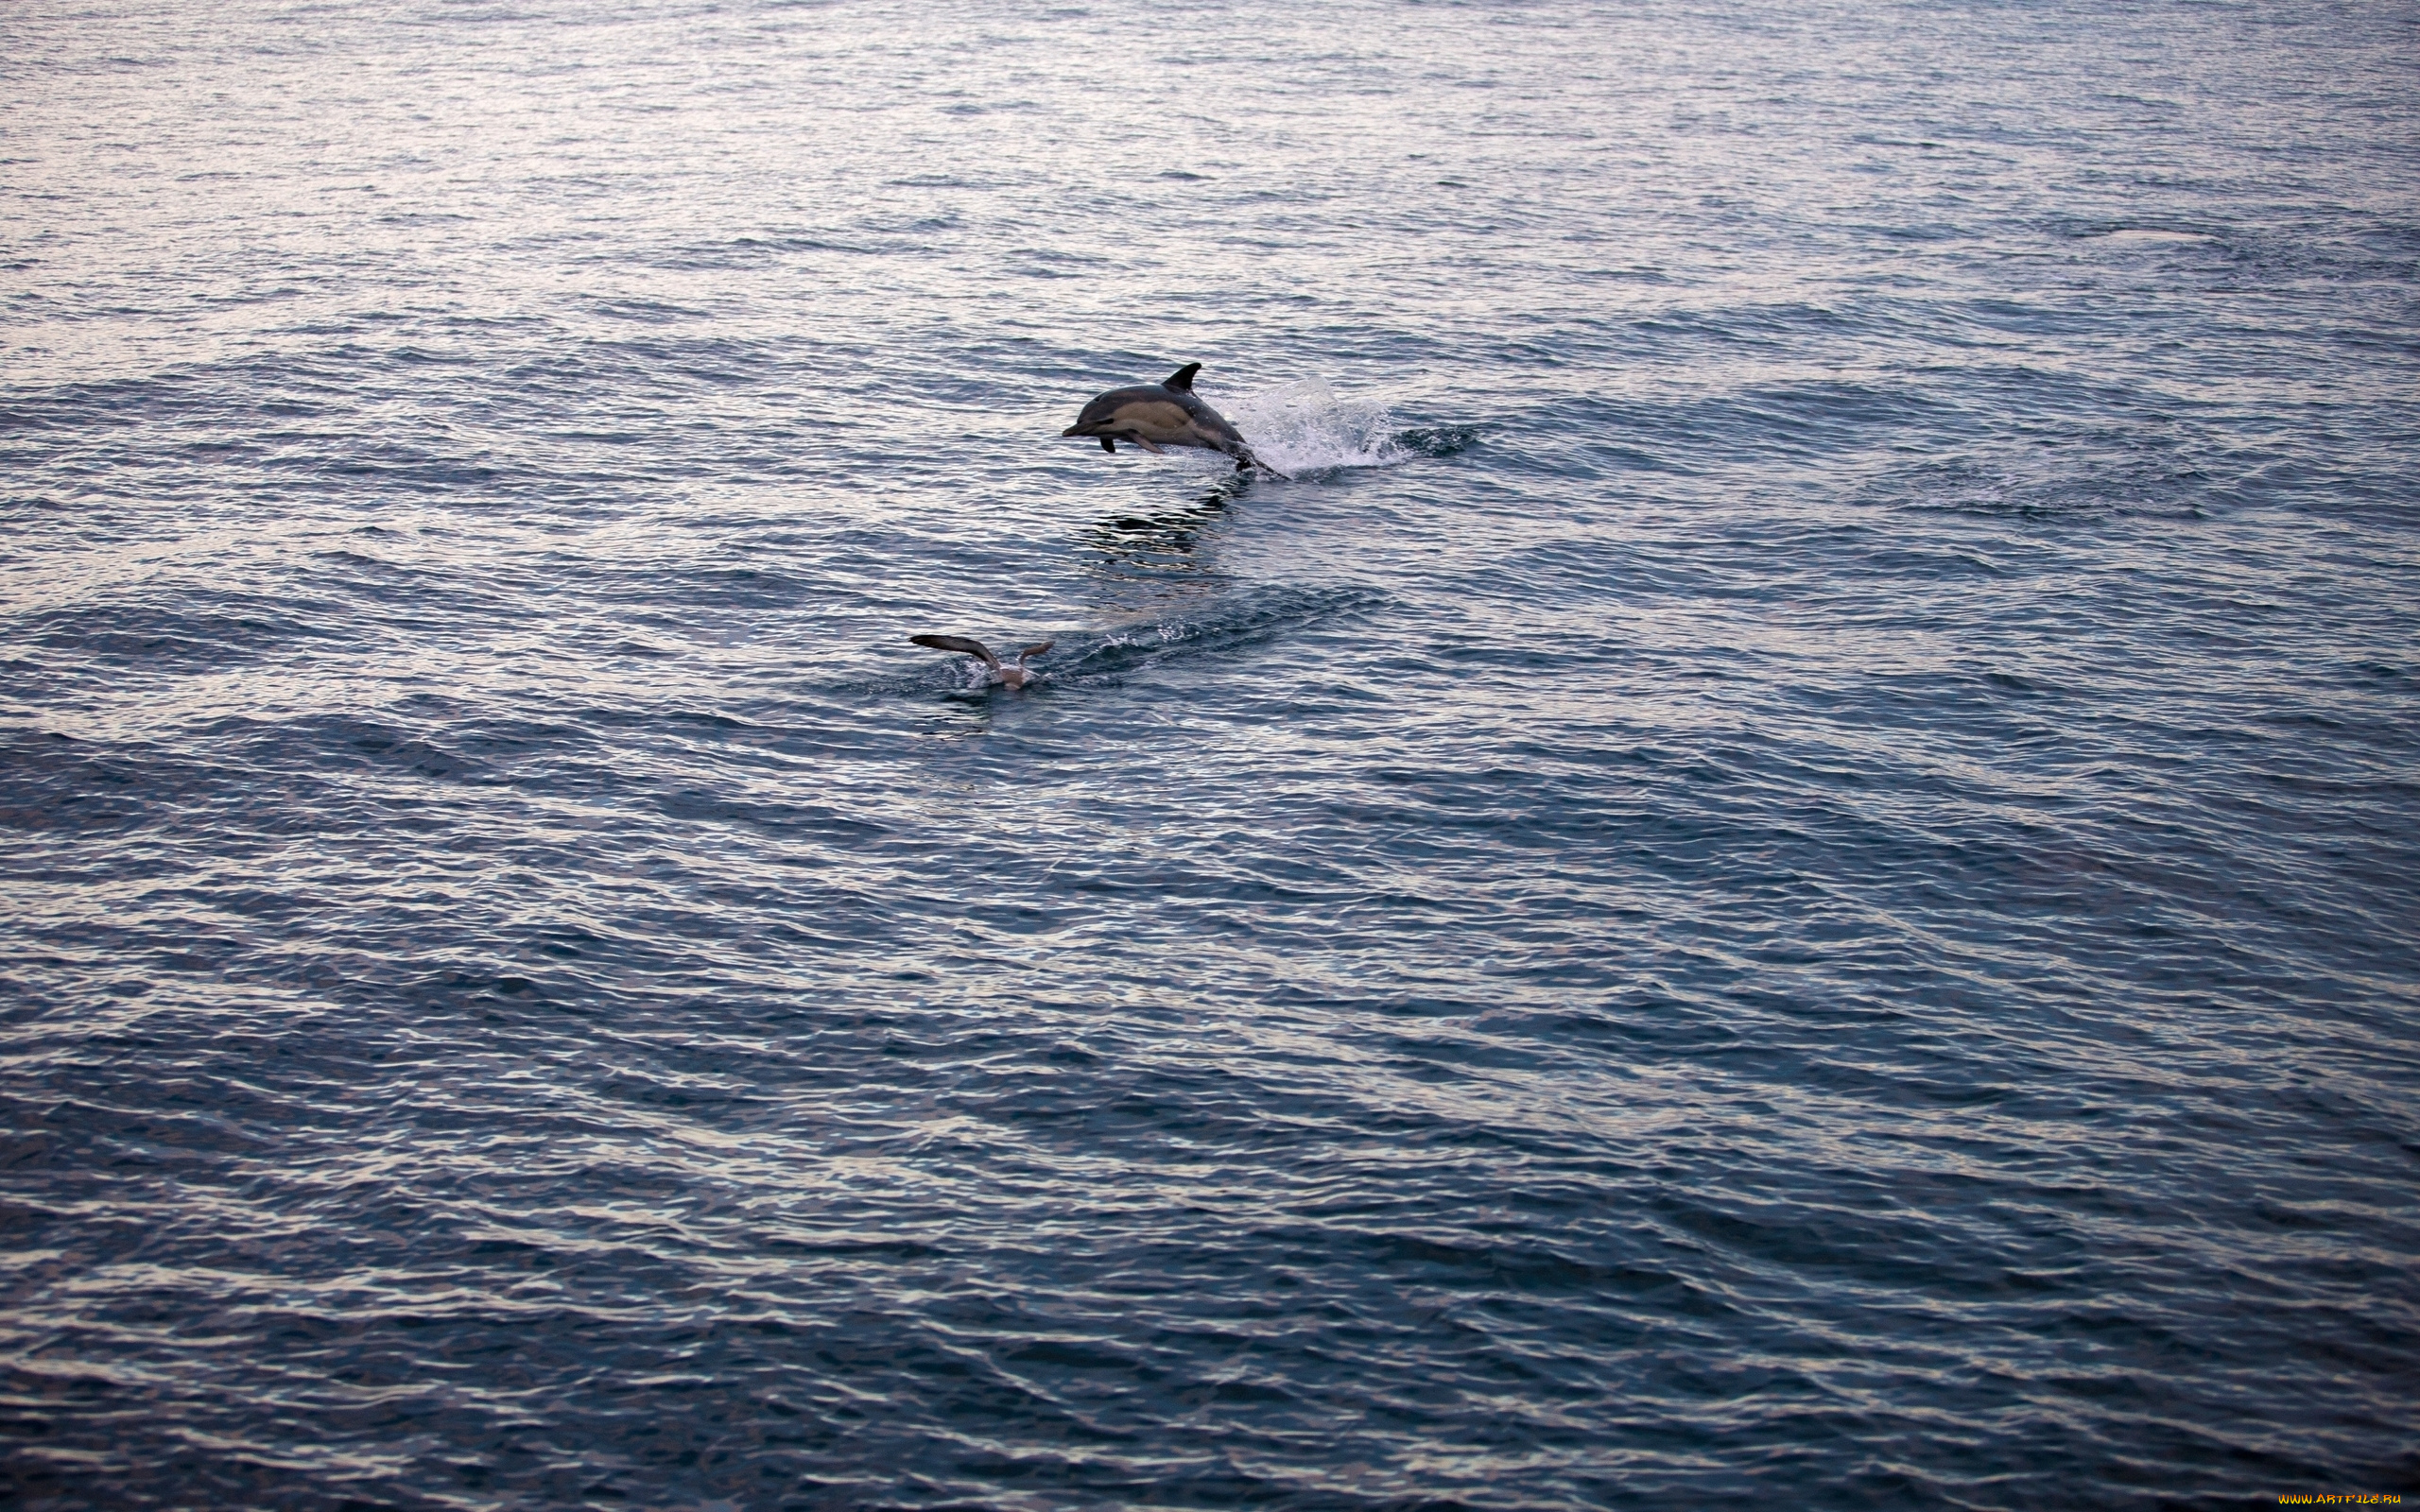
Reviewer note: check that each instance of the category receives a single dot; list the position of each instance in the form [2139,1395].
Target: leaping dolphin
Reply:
[1164,414]
[1012,677]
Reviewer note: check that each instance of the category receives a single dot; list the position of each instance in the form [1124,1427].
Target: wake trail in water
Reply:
[1307,427]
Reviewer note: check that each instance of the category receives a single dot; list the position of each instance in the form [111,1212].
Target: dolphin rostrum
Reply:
[1164,414]
[1012,676]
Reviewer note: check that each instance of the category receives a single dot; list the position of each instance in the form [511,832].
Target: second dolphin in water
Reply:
[1164,414]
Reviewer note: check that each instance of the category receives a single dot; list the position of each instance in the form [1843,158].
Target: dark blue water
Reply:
[1785,873]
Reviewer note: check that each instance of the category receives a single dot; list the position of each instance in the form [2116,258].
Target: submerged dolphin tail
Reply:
[1181,380]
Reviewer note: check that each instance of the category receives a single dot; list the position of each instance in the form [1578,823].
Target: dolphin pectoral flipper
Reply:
[1108,445]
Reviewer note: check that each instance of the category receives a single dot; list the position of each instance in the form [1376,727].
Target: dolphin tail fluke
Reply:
[1247,460]
[1032,651]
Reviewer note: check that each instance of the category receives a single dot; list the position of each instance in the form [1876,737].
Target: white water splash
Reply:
[1307,427]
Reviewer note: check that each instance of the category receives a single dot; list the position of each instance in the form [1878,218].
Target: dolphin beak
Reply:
[1073,430]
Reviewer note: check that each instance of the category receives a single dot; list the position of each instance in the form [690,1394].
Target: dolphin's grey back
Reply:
[1117,399]
[1176,389]
[1179,385]
[1208,419]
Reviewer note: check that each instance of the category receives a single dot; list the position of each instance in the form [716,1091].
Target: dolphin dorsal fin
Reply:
[1181,380]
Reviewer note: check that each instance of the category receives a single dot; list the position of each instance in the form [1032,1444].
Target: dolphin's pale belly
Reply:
[1159,421]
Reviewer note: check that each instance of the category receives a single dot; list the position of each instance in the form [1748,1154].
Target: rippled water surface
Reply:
[1784,871]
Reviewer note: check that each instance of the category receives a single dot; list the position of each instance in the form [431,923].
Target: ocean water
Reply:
[1784,872]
